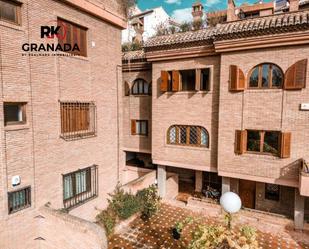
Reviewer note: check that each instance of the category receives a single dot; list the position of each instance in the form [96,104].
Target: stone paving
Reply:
[156,233]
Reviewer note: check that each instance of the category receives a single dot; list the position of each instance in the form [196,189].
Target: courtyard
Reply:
[155,233]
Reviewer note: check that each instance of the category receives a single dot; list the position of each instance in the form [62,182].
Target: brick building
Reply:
[59,118]
[227,110]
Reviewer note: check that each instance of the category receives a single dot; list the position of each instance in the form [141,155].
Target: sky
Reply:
[181,9]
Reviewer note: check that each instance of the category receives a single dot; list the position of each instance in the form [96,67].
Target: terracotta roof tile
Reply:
[285,22]
[133,55]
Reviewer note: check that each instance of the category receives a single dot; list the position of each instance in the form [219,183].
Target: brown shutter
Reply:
[126,89]
[198,79]
[176,81]
[295,76]
[240,141]
[83,42]
[164,81]
[237,79]
[285,145]
[133,126]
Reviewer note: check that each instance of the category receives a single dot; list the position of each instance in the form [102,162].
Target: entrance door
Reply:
[247,193]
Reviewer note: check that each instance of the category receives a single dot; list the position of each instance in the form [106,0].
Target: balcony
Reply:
[304,179]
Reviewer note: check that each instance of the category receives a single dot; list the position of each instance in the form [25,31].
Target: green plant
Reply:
[214,237]
[124,204]
[185,26]
[131,46]
[150,201]
[180,225]
[107,218]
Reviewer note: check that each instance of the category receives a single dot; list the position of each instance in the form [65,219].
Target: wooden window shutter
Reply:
[240,141]
[126,89]
[176,81]
[295,76]
[285,144]
[164,81]
[133,126]
[198,79]
[237,79]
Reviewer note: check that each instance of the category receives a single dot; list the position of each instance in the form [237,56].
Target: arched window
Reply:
[140,87]
[266,75]
[188,135]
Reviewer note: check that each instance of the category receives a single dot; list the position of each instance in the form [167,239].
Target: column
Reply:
[299,209]
[198,181]
[162,180]
[226,184]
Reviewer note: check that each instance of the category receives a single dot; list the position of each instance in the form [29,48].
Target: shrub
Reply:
[107,218]
[213,237]
[131,46]
[150,201]
[124,204]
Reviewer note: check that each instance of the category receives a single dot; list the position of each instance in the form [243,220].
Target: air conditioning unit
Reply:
[15,180]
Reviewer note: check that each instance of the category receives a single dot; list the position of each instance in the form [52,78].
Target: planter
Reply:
[176,234]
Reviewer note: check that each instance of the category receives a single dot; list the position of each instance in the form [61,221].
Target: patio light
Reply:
[231,204]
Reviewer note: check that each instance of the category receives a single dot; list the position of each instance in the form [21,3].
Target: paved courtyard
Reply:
[156,233]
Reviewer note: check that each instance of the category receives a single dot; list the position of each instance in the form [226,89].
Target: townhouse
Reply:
[58,114]
[227,110]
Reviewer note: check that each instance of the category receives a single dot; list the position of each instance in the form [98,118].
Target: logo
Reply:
[55,42]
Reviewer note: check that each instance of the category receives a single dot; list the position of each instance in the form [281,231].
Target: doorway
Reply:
[247,193]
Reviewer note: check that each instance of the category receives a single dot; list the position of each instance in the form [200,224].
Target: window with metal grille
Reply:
[272,192]
[14,113]
[80,186]
[188,135]
[19,199]
[78,119]
[73,34]
[140,87]
[10,11]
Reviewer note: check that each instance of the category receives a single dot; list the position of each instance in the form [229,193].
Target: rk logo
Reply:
[50,31]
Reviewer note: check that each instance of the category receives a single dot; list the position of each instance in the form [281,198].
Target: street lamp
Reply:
[231,204]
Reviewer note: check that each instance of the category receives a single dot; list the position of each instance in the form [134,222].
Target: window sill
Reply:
[140,95]
[11,25]
[184,147]
[261,155]
[261,90]
[187,92]
[139,135]
[16,127]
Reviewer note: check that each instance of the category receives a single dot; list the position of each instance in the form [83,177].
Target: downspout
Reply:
[118,120]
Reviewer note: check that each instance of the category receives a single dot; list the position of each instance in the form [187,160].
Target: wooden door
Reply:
[247,193]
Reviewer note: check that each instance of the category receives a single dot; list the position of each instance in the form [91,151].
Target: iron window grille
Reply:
[19,199]
[188,136]
[78,120]
[80,186]
[272,192]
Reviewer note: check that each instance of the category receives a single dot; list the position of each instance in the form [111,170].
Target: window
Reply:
[140,87]
[14,113]
[188,80]
[205,79]
[139,127]
[185,80]
[263,141]
[78,119]
[266,76]
[10,11]
[73,34]
[80,186]
[18,200]
[188,135]
[272,192]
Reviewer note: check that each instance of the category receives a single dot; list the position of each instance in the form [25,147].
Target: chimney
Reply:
[197,11]
[294,5]
[231,7]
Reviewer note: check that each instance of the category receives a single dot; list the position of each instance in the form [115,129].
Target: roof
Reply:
[278,23]
[133,55]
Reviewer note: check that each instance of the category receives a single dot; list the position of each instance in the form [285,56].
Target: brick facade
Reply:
[35,151]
